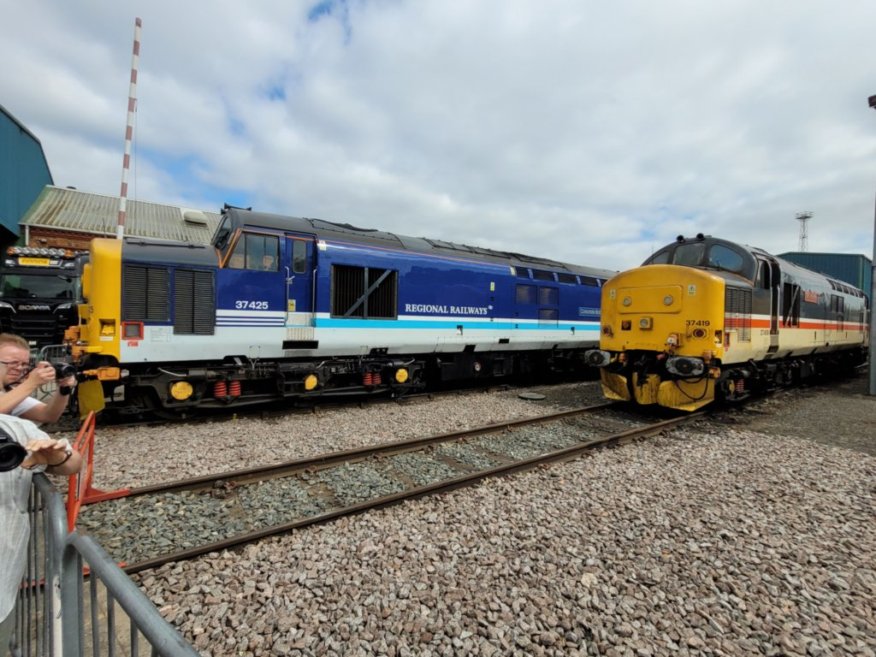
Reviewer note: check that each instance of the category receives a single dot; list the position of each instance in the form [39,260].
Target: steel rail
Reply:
[258,473]
[462,481]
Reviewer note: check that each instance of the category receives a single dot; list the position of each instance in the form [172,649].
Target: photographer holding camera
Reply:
[24,449]
[19,382]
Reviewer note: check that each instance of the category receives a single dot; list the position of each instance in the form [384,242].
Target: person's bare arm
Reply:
[57,455]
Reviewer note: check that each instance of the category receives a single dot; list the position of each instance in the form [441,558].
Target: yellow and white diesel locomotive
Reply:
[705,319]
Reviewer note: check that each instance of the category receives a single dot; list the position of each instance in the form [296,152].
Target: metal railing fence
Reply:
[55,617]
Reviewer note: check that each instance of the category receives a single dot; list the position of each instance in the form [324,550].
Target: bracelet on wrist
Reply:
[66,458]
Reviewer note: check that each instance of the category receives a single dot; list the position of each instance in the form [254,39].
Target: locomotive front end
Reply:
[95,342]
[661,336]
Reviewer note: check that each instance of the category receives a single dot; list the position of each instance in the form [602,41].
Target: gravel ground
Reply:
[151,454]
[749,534]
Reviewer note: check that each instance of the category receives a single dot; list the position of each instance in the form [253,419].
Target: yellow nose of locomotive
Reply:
[658,319]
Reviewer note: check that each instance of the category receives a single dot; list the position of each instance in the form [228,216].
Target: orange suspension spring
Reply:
[234,388]
[220,389]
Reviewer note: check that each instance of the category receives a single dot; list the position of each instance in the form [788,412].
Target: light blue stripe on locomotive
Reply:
[453,324]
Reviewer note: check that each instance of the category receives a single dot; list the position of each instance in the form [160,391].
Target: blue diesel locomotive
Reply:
[284,307]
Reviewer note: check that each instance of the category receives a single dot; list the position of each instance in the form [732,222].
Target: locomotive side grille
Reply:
[737,312]
[382,300]
[364,292]
[145,295]
[193,302]
[347,286]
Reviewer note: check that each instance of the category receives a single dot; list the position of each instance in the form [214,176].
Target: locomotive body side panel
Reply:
[282,307]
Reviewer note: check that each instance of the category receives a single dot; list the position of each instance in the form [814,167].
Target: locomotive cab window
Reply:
[299,256]
[659,258]
[763,275]
[256,252]
[723,257]
[689,255]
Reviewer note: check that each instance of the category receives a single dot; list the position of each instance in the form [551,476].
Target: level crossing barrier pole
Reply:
[872,101]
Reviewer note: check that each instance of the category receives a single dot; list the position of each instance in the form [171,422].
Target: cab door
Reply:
[299,268]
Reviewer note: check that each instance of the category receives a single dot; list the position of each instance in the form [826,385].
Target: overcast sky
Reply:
[589,132]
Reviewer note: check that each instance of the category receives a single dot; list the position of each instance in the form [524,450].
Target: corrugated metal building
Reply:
[23,174]
[848,267]
[68,218]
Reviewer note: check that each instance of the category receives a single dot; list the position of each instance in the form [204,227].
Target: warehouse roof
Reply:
[96,214]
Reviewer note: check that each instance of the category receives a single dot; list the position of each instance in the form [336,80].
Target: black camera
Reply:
[11,452]
[62,371]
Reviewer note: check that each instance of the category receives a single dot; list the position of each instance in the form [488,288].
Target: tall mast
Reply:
[129,131]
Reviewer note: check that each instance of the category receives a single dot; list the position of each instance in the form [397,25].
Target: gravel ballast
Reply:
[715,539]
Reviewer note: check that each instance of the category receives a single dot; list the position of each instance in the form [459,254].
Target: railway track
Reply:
[71,421]
[180,520]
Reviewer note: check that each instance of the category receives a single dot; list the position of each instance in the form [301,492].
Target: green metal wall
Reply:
[23,174]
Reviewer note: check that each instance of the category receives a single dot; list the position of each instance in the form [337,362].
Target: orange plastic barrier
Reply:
[79,488]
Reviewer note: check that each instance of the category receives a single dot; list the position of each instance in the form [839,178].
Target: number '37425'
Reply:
[242,304]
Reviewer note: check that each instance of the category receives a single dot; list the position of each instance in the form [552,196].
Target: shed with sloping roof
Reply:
[69,218]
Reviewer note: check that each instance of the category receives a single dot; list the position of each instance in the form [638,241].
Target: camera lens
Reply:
[11,454]
[63,370]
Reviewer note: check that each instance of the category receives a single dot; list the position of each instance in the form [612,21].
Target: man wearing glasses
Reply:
[20,381]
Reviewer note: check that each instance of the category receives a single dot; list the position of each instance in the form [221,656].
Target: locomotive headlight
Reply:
[667,300]
[181,390]
[401,375]
[685,366]
[628,301]
[646,323]
[310,382]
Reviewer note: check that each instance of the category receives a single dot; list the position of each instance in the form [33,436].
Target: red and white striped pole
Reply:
[129,131]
